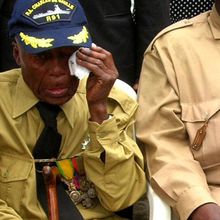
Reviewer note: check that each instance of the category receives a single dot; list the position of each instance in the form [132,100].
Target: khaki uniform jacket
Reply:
[179,92]
[119,182]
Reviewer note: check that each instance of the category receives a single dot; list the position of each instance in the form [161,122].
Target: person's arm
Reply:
[174,173]
[113,161]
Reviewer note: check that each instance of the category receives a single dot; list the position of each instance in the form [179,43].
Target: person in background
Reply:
[50,119]
[114,27]
[182,9]
[178,120]
[125,34]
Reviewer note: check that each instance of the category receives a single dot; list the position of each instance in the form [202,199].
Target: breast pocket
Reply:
[195,116]
[14,173]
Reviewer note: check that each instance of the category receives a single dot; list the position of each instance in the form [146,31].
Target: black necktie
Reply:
[47,146]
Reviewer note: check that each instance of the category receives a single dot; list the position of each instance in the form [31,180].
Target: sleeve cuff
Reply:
[197,197]
[103,134]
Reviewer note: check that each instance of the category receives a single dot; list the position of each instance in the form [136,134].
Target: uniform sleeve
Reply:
[174,174]
[114,163]
[7,213]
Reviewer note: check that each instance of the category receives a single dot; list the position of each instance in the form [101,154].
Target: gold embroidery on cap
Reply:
[36,42]
[81,37]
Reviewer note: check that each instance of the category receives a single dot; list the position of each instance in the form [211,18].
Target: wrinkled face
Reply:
[47,73]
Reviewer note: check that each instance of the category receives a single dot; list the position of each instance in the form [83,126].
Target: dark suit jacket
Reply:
[112,27]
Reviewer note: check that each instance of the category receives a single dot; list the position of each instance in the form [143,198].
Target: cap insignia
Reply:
[47,11]
[36,42]
[81,37]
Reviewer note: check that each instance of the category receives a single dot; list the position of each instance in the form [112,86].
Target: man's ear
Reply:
[16,52]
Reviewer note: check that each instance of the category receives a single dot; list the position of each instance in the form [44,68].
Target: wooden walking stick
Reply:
[50,177]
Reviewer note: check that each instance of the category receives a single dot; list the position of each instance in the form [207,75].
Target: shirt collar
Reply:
[214,21]
[24,100]
[69,110]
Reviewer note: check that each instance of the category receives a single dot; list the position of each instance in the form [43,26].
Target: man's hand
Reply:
[209,211]
[100,81]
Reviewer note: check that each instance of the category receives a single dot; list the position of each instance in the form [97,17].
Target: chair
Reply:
[158,209]
[126,88]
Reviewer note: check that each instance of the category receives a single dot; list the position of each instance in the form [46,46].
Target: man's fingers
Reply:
[92,59]
[98,61]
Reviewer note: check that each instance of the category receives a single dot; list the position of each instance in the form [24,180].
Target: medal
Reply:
[80,189]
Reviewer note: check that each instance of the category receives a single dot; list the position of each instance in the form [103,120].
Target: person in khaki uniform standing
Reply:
[178,121]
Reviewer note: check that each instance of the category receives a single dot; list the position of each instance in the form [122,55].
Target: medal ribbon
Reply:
[66,168]
[75,164]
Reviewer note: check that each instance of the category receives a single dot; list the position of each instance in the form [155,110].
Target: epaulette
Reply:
[177,25]
[181,24]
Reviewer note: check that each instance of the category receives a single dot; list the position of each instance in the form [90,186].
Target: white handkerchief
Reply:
[75,69]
